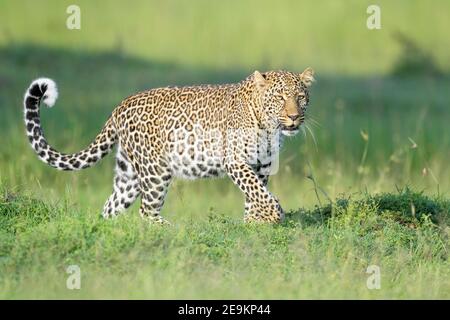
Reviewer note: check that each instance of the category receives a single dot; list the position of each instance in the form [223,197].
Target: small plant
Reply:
[405,207]
[409,206]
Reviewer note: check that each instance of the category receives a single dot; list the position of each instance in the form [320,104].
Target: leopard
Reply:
[187,132]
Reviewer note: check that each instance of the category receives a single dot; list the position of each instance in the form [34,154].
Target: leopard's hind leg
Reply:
[126,187]
[154,185]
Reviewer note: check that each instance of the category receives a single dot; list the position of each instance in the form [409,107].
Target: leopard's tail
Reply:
[45,89]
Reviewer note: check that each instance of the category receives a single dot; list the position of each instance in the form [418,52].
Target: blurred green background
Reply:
[379,112]
[381,99]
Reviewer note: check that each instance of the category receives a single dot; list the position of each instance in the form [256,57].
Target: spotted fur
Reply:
[187,132]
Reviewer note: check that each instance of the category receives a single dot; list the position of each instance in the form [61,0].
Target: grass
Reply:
[381,102]
[311,255]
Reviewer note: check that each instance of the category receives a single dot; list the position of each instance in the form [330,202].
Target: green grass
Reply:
[313,254]
[381,101]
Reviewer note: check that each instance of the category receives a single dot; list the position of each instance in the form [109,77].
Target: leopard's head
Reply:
[284,98]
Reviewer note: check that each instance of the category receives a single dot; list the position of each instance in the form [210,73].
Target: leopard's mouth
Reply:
[289,130]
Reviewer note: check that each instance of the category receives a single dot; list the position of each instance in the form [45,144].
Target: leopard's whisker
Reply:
[312,135]
[313,121]
[304,132]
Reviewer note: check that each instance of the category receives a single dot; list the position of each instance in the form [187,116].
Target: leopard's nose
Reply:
[294,117]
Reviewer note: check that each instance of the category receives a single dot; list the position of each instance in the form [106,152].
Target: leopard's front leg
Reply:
[252,208]
[260,204]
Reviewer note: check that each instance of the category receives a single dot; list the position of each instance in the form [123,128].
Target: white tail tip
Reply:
[51,92]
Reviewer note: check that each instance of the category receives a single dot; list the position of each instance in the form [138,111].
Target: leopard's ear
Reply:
[259,80]
[307,76]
